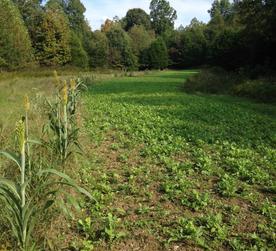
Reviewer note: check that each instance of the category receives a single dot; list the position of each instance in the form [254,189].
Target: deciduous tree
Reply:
[79,56]
[141,39]
[53,36]
[158,55]
[99,50]
[137,17]
[15,44]
[162,15]
[120,52]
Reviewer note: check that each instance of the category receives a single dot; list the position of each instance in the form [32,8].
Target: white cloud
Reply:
[99,10]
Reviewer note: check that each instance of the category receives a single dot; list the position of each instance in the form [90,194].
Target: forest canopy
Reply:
[57,34]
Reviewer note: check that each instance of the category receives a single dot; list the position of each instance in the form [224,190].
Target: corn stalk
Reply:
[62,123]
[27,108]
[23,200]
[65,120]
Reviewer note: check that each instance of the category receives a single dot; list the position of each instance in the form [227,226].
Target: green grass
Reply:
[169,170]
[171,161]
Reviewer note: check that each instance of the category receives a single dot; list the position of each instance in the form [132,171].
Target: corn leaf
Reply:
[12,157]
[69,181]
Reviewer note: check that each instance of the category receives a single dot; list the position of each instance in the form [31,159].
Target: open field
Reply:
[169,170]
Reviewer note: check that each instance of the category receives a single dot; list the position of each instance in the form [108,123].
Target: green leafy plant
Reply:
[87,245]
[215,226]
[186,229]
[86,226]
[268,209]
[142,209]
[227,186]
[110,230]
[102,227]
[196,200]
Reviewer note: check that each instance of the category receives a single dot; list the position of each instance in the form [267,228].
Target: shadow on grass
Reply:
[210,118]
[141,85]
[194,117]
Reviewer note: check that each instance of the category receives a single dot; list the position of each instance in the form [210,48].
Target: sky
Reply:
[97,11]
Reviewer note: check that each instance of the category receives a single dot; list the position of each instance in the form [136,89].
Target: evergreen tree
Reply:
[15,44]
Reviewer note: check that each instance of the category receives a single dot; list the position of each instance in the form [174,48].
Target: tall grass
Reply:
[62,128]
[32,193]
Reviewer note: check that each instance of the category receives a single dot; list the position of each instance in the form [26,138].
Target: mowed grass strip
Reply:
[180,171]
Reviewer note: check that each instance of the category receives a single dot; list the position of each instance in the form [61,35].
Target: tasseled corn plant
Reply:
[24,198]
[62,126]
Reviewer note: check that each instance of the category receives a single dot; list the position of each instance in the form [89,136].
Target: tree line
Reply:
[239,34]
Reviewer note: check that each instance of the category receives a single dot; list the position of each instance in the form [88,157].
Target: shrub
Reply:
[262,89]
[215,80]
[219,81]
